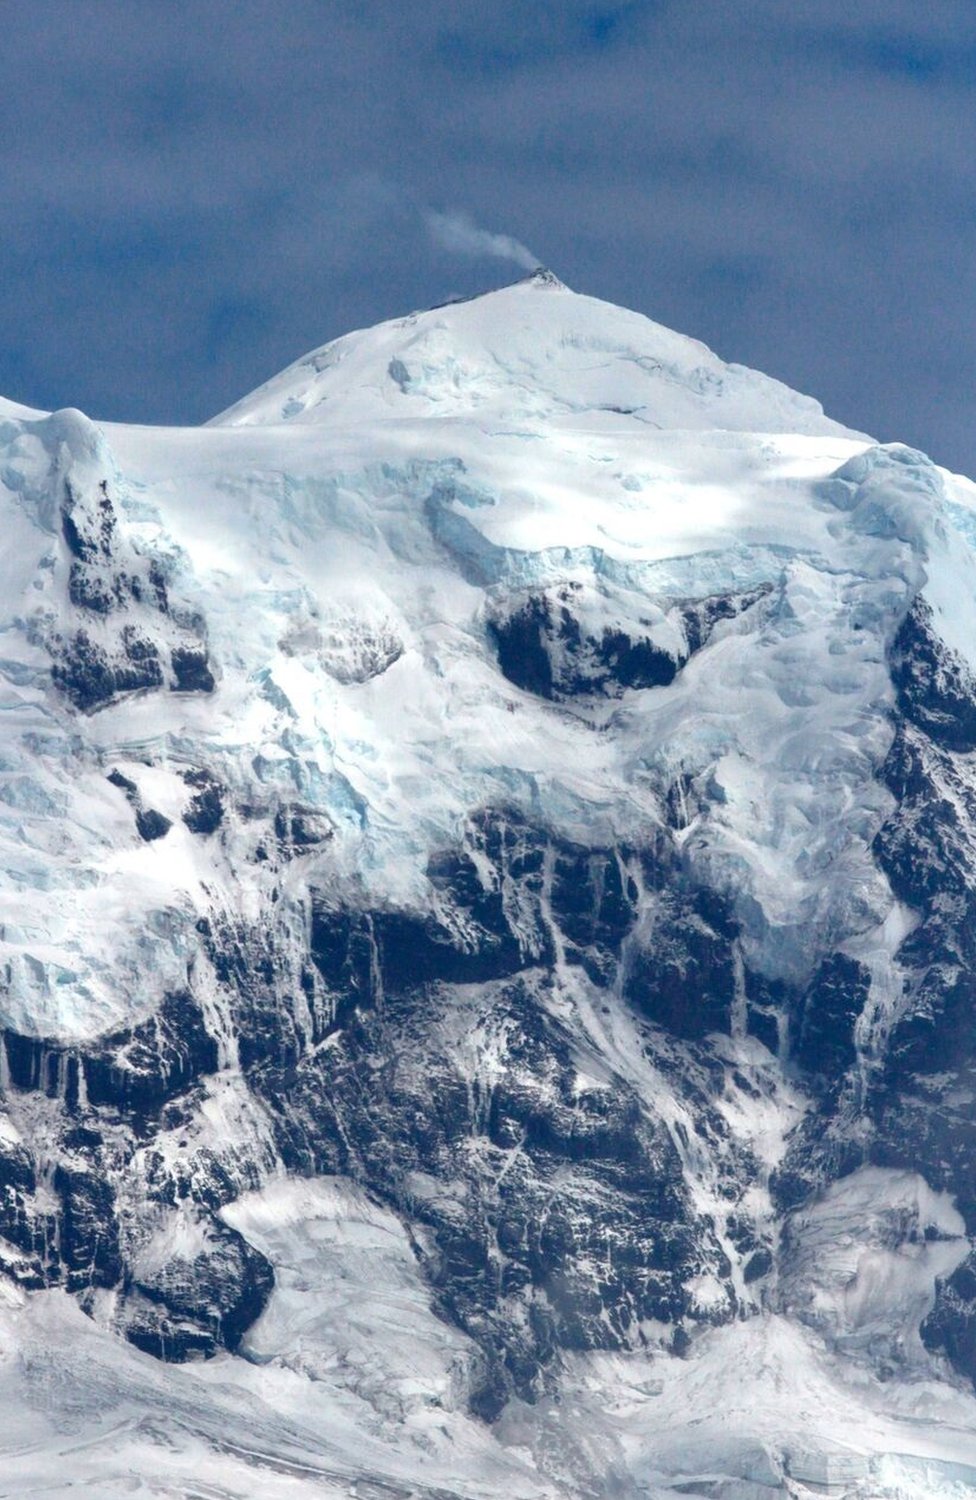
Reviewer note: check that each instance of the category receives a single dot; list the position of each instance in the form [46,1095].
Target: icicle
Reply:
[82,1085]
[545,911]
[375,967]
[738,1020]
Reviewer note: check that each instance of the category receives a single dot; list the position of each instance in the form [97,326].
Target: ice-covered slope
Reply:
[533,351]
[488,831]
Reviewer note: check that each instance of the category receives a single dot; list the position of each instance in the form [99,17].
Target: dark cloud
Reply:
[194,193]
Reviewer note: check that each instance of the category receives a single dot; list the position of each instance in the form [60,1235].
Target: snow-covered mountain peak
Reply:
[512,356]
[397,608]
[543,277]
[487,844]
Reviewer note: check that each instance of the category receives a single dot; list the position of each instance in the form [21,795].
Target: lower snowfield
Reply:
[351,1387]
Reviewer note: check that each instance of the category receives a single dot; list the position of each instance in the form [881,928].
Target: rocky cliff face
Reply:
[548,808]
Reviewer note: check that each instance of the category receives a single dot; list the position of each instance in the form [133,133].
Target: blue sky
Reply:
[197,191]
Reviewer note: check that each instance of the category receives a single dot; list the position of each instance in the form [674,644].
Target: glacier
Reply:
[488,848]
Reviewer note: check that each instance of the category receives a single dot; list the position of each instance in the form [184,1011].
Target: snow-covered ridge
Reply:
[529,352]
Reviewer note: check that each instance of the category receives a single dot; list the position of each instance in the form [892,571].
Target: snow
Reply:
[533,350]
[273,556]
[330,1404]
[328,1241]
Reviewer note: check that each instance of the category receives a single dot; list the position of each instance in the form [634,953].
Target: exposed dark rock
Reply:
[594,899]
[757,1266]
[108,579]
[543,647]
[191,670]
[88,524]
[88,589]
[21,1225]
[680,972]
[158,584]
[836,997]
[950,1327]
[399,374]
[151,824]
[343,949]
[191,1306]
[299,829]
[89,1232]
[142,651]
[587,1225]
[81,547]
[820,1151]
[567,1223]
[135,1071]
[763,1023]
[90,679]
[928,851]
[928,847]
[418,950]
[700,616]
[206,810]
[83,673]
[521,641]
[124,783]
[936,690]
[906,1103]
[424,1049]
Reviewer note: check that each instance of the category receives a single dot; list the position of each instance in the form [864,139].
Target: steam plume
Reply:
[457,231]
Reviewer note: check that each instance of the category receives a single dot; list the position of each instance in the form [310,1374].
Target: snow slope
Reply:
[379,539]
[533,351]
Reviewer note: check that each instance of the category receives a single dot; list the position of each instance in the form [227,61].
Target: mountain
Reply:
[488,844]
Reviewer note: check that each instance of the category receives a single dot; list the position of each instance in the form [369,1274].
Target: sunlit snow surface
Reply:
[345,531]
